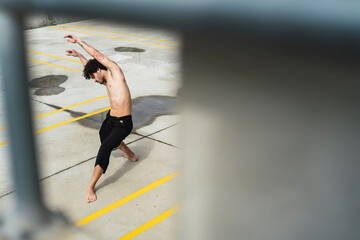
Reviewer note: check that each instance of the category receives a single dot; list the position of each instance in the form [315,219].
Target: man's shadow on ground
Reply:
[145,111]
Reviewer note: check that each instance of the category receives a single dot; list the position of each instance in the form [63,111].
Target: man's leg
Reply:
[128,153]
[91,196]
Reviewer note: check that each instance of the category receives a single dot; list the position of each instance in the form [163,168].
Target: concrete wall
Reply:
[43,19]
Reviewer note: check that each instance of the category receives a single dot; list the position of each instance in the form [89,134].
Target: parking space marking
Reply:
[54,65]
[78,104]
[150,224]
[72,120]
[63,123]
[100,35]
[49,55]
[62,109]
[93,29]
[125,199]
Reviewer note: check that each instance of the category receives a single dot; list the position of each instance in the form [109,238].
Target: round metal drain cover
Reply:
[129,49]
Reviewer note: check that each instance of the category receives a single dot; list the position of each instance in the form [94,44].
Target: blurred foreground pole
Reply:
[29,219]
[29,205]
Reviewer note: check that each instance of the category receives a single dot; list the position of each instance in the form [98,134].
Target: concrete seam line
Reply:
[68,168]
[162,129]
[93,29]
[54,174]
[142,137]
[150,224]
[124,39]
[126,199]
[8,193]
[147,136]
[169,144]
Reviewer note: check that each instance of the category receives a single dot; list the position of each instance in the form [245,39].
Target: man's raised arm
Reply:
[110,65]
[72,52]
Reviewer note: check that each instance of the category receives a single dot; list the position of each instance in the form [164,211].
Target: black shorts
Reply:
[112,132]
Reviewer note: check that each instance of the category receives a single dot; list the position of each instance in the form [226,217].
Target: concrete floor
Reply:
[67,152]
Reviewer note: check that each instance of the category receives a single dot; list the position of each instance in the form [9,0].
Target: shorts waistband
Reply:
[120,118]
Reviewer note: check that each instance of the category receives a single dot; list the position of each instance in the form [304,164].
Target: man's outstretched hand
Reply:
[72,52]
[71,38]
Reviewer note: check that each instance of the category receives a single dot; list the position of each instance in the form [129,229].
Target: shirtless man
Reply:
[118,123]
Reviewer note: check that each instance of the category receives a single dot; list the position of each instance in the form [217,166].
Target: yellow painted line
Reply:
[66,122]
[50,64]
[72,120]
[126,199]
[150,224]
[93,29]
[3,143]
[100,35]
[49,55]
[62,109]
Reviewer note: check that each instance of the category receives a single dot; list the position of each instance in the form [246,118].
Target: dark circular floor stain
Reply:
[129,49]
[49,91]
[48,81]
[48,85]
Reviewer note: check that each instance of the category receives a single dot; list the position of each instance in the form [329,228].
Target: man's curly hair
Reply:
[91,67]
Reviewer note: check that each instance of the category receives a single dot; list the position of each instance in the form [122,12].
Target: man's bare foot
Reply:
[91,196]
[133,158]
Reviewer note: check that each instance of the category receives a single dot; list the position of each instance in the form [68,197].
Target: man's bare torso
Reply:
[119,94]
